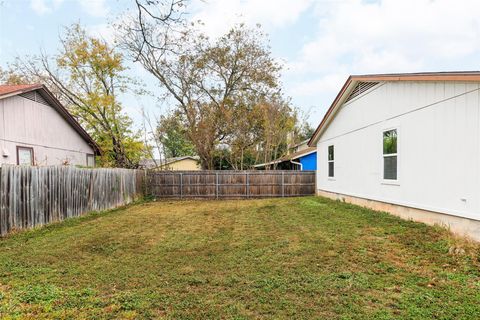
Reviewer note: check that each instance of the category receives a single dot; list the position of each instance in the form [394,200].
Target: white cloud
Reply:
[325,84]
[39,6]
[96,8]
[104,31]
[391,35]
[44,6]
[357,37]
[220,15]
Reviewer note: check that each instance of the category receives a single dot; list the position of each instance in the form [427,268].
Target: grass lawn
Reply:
[278,258]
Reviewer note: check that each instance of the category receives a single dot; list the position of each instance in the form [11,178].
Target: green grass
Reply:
[280,258]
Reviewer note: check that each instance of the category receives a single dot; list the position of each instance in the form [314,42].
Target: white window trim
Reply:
[391,182]
[331,178]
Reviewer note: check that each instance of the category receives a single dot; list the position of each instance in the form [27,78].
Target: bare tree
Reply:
[207,79]
[155,20]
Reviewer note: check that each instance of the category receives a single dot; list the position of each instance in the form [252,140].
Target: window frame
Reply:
[32,152]
[86,158]
[331,177]
[397,180]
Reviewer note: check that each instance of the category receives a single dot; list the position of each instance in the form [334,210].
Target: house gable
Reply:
[32,119]
[40,94]
[353,81]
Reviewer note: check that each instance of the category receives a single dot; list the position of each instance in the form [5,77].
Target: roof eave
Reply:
[20,91]
[70,119]
[287,158]
[305,154]
[268,163]
[314,138]
[465,76]
[177,160]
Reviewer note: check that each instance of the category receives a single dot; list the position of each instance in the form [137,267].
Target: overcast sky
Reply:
[320,42]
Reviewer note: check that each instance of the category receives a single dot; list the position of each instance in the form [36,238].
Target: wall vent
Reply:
[360,88]
[29,95]
[34,96]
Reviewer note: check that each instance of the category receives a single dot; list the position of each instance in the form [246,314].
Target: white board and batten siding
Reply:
[36,125]
[438,127]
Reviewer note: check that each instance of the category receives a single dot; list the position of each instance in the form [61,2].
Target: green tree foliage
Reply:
[279,121]
[11,77]
[173,136]
[305,131]
[390,142]
[87,75]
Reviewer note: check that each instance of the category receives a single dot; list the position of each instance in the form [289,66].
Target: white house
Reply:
[405,143]
[35,129]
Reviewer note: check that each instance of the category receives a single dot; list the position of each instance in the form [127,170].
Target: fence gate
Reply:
[229,184]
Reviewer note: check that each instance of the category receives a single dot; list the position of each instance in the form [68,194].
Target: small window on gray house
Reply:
[390,155]
[90,160]
[24,156]
[331,159]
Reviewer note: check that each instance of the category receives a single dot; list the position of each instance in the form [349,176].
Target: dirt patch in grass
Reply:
[277,258]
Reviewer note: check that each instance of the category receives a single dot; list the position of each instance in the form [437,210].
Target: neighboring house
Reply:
[186,163]
[35,129]
[299,146]
[405,143]
[299,157]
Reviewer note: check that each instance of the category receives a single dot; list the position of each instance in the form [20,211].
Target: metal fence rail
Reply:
[229,184]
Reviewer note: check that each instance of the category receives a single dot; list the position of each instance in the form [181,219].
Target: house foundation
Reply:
[461,226]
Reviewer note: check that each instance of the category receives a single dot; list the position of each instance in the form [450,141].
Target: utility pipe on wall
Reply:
[297,163]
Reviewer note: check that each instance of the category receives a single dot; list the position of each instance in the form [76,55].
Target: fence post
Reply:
[181,185]
[216,185]
[283,184]
[145,183]
[247,188]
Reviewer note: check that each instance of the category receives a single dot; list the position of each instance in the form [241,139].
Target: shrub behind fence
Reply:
[34,196]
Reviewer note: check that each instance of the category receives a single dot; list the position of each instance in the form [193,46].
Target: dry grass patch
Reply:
[277,258]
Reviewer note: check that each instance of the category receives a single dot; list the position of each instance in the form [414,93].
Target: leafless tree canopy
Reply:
[153,22]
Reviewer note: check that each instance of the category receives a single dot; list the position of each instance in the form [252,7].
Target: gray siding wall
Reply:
[24,122]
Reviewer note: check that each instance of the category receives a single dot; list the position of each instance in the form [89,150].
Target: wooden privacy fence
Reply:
[229,184]
[33,196]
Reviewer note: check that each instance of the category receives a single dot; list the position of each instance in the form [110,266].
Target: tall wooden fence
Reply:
[229,184]
[33,196]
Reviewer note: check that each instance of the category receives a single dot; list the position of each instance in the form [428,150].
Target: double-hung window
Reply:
[390,154]
[331,160]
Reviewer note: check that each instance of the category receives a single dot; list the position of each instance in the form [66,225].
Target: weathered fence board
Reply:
[229,184]
[34,196]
